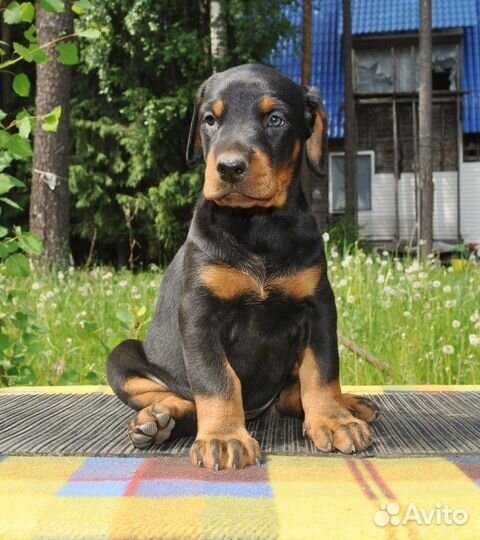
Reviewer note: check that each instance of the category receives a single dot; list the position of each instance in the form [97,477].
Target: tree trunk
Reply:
[49,204]
[307,43]
[308,177]
[425,131]
[218,33]
[350,121]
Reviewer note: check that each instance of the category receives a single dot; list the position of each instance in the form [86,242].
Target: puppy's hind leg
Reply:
[161,413]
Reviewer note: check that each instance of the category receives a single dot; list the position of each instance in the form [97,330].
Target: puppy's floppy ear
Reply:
[194,144]
[316,145]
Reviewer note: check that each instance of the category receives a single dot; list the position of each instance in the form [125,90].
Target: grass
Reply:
[422,320]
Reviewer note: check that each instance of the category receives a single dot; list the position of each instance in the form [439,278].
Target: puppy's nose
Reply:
[231,169]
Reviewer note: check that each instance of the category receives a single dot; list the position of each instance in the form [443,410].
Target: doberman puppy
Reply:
[246,314]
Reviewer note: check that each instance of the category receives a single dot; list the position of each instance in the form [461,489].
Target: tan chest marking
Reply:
[228,283]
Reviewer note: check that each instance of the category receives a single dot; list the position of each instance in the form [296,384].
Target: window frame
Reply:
[371,154]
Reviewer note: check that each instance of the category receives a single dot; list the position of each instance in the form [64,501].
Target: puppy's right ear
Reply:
[194,144]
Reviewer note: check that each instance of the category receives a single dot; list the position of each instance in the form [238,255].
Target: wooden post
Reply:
[307,43]
[350,120]
[425,130]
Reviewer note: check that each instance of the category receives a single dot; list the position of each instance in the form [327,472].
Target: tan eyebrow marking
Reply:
[218,108]
[267,105]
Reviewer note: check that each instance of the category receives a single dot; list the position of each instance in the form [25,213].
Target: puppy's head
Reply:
[250,124]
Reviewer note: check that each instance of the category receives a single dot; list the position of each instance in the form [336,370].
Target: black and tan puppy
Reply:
[246,314]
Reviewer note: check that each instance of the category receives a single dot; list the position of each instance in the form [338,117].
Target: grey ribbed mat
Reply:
[412,423]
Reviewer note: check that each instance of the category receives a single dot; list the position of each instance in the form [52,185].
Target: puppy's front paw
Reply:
[217,451]
[338,429]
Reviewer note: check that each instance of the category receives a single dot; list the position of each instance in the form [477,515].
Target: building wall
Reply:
[379,224]
[470,202]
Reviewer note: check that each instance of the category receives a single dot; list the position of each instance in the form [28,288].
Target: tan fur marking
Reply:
[267,105]
[314,144]
[217,415]
[218,108]
[146,393]
[301,285]
[212,180]
[228,283]
[285,176]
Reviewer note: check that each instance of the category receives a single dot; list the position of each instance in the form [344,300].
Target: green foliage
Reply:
[20,335]
[132,109]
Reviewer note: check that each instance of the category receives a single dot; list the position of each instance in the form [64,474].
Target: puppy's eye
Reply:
[275,121]
[210,119]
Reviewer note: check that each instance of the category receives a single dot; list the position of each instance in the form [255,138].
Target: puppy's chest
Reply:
[229,283]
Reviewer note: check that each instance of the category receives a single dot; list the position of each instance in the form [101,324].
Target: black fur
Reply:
[193,331]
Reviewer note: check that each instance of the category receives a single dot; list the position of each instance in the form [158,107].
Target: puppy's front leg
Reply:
[222,439]
[332,420]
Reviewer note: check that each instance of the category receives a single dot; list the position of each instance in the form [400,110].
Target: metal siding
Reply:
[380,16]
[327,72]
[377,16]
[471,77]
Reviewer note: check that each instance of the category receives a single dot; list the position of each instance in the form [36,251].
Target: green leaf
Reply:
[81,6]
[13,13]
[31,34]
[53,6]
[28,11]
[51,120]
[21,85]
[40,57]
[4,138]
[25,53]
[3,251]
[8,182]
[67,54]
[25,127]
[124,315]
[20,147]
[5,342]
[3,114]
[11,203]
[17,265]
[3,231]
[5,160]
[30,243]
[90,33]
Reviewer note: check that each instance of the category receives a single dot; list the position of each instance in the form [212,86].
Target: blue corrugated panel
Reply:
[327,72]
[471,78]
[379,16]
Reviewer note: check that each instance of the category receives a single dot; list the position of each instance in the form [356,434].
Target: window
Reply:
[384,70]
[365,171]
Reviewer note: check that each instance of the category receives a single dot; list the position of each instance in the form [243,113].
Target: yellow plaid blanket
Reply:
[289,498]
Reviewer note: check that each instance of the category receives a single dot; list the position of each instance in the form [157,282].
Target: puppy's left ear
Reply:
[316,145]
[194,144]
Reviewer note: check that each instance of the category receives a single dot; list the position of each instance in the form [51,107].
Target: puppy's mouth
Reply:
[235,194]
[236,198]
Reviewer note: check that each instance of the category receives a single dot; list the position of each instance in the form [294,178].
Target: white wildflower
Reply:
[326,237]
[448,349]
[436,284]
[456,324]
[474,340]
